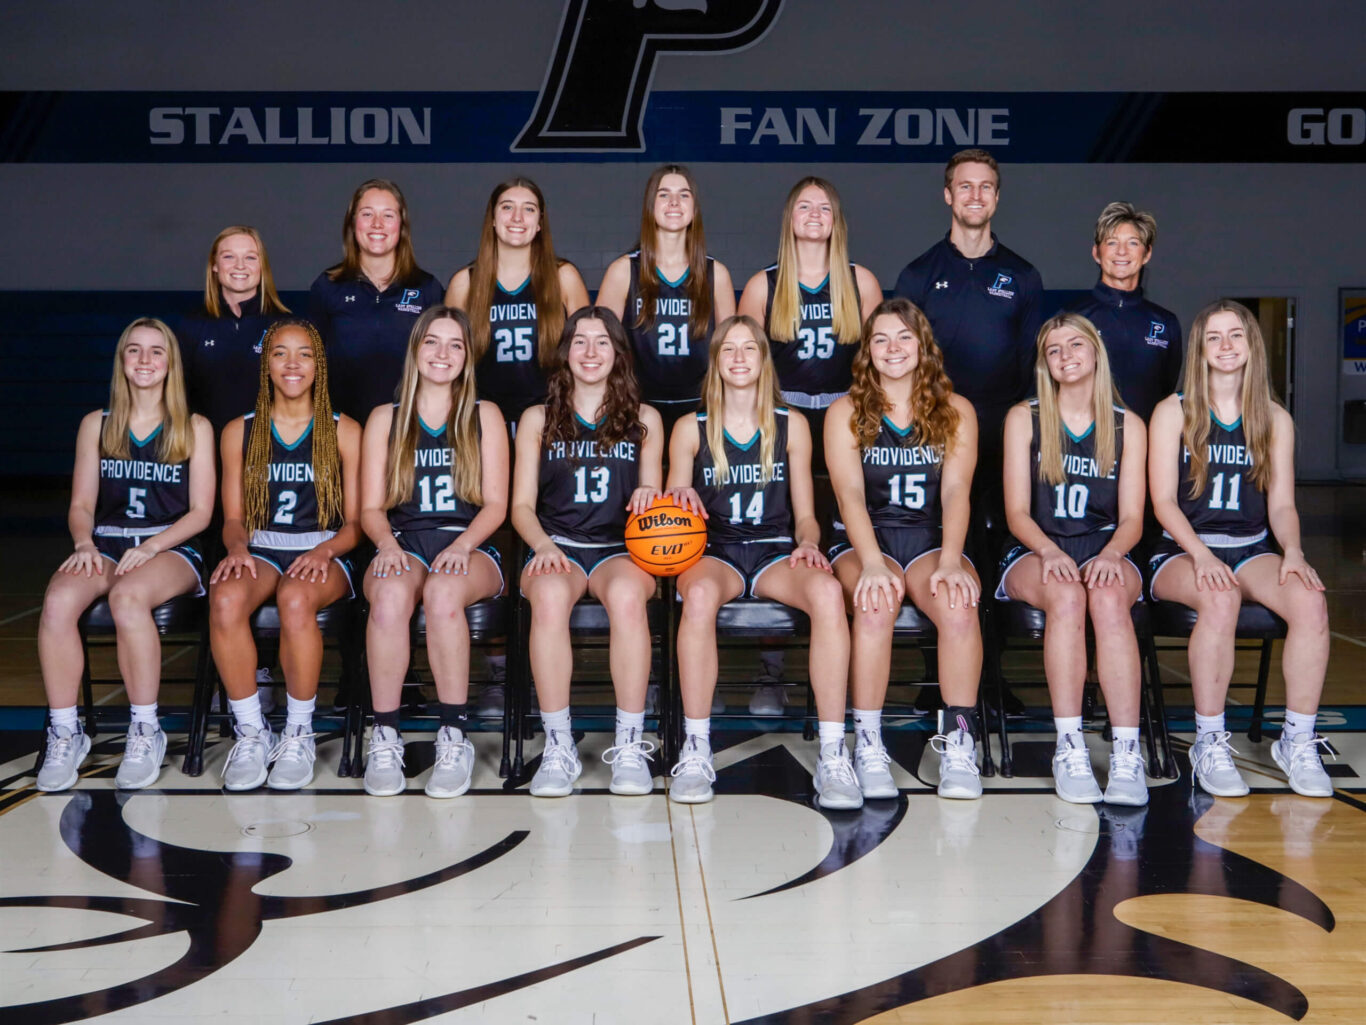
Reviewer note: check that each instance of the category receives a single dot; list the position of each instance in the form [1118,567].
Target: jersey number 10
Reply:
[1071,501]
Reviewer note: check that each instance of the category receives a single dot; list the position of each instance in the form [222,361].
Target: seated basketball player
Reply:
[1074,469]
[141,491]
[588,456]
[1221,470]
[291,496]
[434,481]
[745,464]
[901,448]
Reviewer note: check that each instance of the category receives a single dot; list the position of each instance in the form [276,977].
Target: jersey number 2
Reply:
[284,512]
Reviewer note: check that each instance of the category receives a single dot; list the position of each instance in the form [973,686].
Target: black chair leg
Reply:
[994,647]
[1167,769]
[193,764]
[988,763]
[809,720]
[87,690]
[42,751]
[1254,732]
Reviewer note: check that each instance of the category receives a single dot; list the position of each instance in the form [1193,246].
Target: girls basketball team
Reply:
[662,389]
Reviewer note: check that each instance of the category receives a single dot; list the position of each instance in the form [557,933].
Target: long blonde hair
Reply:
[932,413]
[1258,404]
[462,422]
[714,398]
[786,315]
[177,434]
[327,469]
[545,280]
[270,298]
[1104,400]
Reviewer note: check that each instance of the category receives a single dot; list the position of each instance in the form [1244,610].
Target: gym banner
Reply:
[725,127]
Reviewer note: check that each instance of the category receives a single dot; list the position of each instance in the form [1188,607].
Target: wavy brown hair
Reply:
[695,241]
[327,469]
[213,291]
[405,262]
[462,422]
[177,431]
[545,279]
[619,417]
[1258,404]
[933,417]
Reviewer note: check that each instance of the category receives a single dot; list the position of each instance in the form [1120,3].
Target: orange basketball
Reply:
[667,539]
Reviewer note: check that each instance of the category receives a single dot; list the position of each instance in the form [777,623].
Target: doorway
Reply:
[1276,317]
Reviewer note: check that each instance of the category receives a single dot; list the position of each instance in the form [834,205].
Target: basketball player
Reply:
[291,497]
[1075,460]
[434,482]
[141,492]
[365,306]
[586,458]
[901,447]
[744,463]
[1222,476]
[1142,338]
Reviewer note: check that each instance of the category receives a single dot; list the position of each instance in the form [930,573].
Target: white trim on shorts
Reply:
[1001,594]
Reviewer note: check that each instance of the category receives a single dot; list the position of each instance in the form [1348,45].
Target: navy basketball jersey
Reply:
[1230,504]
[509,373]
[741,507]
[433,503]
[901,479]
[814,362]
[1087,501]
[142,491]
[293,503]
[583,491]
[670,363]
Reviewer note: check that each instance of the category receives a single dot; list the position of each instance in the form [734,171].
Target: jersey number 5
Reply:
[136,509]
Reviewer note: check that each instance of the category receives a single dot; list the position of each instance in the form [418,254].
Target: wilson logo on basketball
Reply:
[653,521]
[665,540]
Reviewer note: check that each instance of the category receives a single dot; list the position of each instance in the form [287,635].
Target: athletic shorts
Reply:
[426,545]
[671,411]
[749,558]
[903,545]
[1082,548]
[1233,556]
[282,558]
[588,557]
[113,547]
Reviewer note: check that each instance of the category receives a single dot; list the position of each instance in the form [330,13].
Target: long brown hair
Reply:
[933,418]
[545,279]
[786,315]
[270,299]
[766,389]
[1104,400]
[1258,404]
[405,263]
[177,433]
[695,241]
[619,418]
[462,422]
[327,469]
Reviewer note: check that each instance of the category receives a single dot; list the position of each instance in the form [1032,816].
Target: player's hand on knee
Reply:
[311,567]
[389,559]
[551,560]
[1212,575]
[1104,570]
[85,559]
[809,553]
[960,585]
[1294,563]
[135,557]
[1061,565]
[878,588]
[232,566]
[454,558]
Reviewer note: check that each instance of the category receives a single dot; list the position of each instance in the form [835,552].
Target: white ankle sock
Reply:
[146,714]
[1123,733]
[67,717]
[557,726]
[1297,724]
[247,711]
[831,733]
[299,711]
[1065,724]
[1206,724]
[700,728]
[869,722]
[627,721]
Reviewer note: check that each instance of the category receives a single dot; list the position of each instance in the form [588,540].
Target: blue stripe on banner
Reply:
[729,127]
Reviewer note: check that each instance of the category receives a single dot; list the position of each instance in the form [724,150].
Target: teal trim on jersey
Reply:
[590,426]
[897,430]
[297,441]
[1083,435]
[747,445]
[139,442]
[1228,427]
[674,284]
[516,291]
[435,432]
[818,289]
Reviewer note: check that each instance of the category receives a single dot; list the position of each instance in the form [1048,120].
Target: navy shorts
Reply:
[113,547]
[282,558]
[903,545]
[1082,549]
[749,558]
[426,545]
[588,557]
[1233,556]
